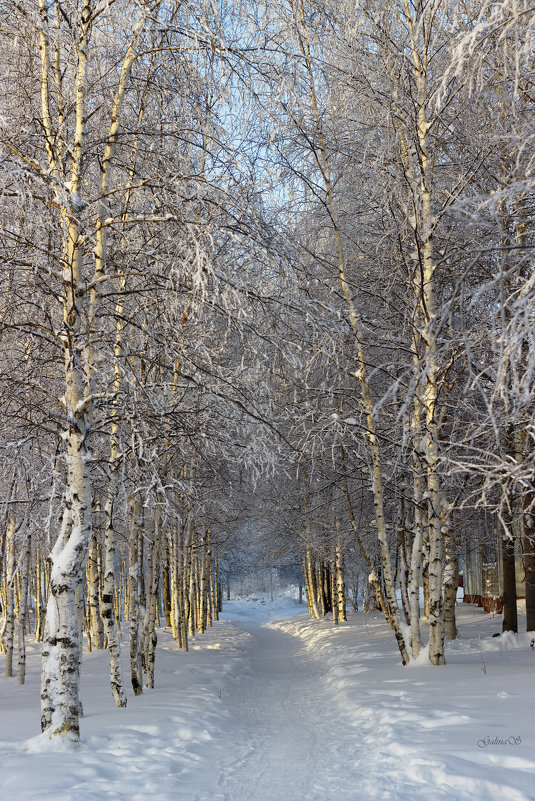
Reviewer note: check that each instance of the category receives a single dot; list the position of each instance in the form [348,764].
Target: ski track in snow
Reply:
[289,709]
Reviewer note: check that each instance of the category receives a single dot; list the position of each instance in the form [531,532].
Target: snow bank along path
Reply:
[265,709]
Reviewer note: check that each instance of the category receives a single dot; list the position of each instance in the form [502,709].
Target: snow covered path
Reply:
[291,744]
[267,707]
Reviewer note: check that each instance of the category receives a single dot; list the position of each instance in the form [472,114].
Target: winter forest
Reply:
[267,308]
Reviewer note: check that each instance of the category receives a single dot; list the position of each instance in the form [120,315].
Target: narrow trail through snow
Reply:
[291,744]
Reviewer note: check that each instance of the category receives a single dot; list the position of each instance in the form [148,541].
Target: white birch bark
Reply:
[430,390]
[180,602]
[9,610]
[334,605]
[403,568]
[311,585]
[215,587]
[95,627]
[192,577]
[420,521]
[59,693]
[419,174]
[172,545]
[109,587]
[22,612]
[339,594]
[372,575]
[203,585]
[134,599]
[181,599]
[208,578]
[108,612]
[38,596]
[149,629]
[451,579]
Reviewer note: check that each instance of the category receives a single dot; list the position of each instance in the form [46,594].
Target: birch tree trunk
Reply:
[424,223]
[95,627]
[372,575]
[178,593]
[202,586]
[340,598]
[166,590]
[175,584]
[149,630]
[311,585]
[451,583]
[38,597]
[403,548]
[9,610]
[60,708]
[419,518]
[134,598]
[336,618]
[109,587]
[215,587]
[22,609]
[109,615]
[190,581]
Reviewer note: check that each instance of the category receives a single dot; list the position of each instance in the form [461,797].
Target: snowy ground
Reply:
[270,706]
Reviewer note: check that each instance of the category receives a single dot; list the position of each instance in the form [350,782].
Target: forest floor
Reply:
[271,706]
